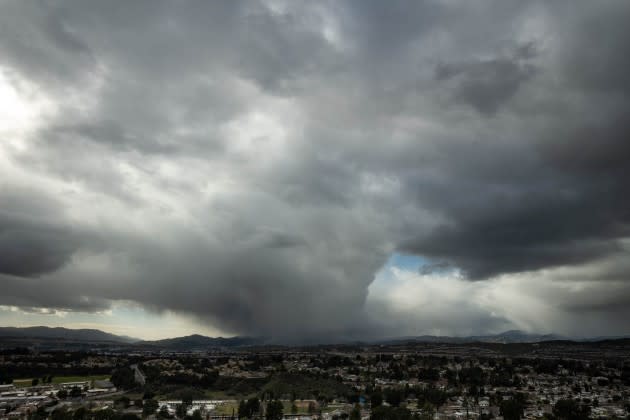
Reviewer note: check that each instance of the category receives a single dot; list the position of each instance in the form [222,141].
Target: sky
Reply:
[315,171]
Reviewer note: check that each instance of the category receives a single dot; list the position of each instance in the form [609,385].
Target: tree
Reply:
[253,406]
[61,413]
[248,408]
[511,409]
[149,407]
[274,410]
[40,414]
[34,382]
[122,402]
[197,415]
[570,410]
[180,410]
[75,392]
[4,379]
[242,410]
[164,414]
[81,413]
[187,398]
[430,374]
[62,394]
[106,414]
[376,399]
[393,396]
[428,411]
[123,378]
[355,414]
[390,413]
[294,409]
[434,396]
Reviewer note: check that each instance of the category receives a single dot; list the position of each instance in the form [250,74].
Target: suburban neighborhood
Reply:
[422,381]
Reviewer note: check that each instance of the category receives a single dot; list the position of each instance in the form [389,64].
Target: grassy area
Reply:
[302,406]
[227,409]
[21,383]
[302,386]
[329,408]
[61,379]
[223,395]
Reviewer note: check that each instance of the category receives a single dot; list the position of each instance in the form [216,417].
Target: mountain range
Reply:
[512,336]
[196,341]
[59,333]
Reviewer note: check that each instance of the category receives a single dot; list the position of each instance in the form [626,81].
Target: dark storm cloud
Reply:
[33,240]
[511,229]
[33,249]
[254,164]
[62,36]
[561,201]
[485,84]
[26,293]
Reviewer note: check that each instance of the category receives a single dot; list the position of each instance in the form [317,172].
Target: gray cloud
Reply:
[487,84]
[33,239]
[31,249]
[254,165]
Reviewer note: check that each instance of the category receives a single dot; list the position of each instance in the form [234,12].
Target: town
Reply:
[406,381]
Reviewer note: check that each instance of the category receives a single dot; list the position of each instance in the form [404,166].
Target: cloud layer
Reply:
[254,165]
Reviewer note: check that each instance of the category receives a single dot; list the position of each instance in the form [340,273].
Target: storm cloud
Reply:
[254,165]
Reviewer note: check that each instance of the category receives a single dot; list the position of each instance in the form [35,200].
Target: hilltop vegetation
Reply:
[302,386]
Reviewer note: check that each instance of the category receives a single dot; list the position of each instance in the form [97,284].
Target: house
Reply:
[70,385]
[103,384]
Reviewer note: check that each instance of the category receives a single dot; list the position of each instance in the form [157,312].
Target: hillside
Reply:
[197,341]
[59,333]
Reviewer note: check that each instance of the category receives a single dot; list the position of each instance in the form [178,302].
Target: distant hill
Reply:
[197,341]
[512,336]
[517,336]
[65,337]
[59,333]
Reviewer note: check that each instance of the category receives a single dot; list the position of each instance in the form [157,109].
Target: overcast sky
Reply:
[315,170]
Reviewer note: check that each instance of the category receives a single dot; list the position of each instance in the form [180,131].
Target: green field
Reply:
[223,395]
[302,406]
[21,383]
[227,409]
